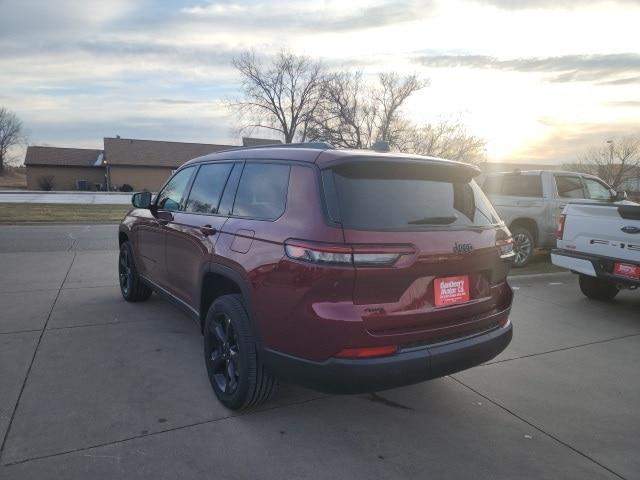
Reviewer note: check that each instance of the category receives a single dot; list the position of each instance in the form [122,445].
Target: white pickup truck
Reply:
[530,202]
[600,242]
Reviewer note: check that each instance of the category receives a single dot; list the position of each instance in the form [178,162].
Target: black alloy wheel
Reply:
[132,287]
[124,271]
[238,376]
[224,357]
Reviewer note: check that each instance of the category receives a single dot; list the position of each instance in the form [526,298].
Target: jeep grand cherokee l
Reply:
[344,271]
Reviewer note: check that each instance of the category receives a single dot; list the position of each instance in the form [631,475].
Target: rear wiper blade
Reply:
[434,220]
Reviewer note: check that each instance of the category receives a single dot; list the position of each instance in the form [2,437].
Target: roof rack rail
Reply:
[313,145]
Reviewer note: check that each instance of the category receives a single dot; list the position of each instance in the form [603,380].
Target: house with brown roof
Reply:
[64,168]
[147,164]
[140,164]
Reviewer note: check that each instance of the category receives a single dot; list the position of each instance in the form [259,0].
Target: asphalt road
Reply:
[94,387]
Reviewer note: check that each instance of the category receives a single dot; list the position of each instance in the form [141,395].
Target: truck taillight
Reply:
[339,254]
[560,230]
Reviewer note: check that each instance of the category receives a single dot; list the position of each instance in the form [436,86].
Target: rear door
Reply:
[194,231]
[442,227]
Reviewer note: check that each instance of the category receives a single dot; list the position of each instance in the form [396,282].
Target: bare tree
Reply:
[616,162]
[355,114]
[445,139]
[11,135]
[280,96]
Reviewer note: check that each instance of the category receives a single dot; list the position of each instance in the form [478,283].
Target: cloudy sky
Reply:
[538,79]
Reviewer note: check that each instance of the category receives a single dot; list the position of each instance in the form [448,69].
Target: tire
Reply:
[131,285]
[597,288]
[523,246]
[237,375]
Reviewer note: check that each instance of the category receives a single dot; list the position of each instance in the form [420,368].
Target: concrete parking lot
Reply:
[93,387]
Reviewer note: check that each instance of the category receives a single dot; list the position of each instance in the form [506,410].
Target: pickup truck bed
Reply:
[601,242]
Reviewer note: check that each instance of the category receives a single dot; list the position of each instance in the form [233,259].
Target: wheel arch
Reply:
[219,280]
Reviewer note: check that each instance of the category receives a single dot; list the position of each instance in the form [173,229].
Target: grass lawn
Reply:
[61,213]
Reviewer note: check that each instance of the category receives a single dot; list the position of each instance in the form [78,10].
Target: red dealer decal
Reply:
[451,290]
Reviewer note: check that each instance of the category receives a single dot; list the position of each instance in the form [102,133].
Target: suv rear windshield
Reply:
[404,196]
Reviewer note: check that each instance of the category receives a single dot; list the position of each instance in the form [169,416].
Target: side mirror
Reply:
[141,200]
[620,196]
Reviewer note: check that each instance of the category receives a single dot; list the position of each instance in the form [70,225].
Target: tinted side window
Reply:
[262,192]
[597,190]
[226,204]
[171,195]
[522,185]
[569,187]
[207,188]
[492,184]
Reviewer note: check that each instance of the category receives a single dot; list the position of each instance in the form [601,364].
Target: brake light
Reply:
[504,242]
[368,352]
[560,230]
[339,254]
[319,253]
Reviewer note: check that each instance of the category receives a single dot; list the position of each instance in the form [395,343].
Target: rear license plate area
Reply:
[627,270]
[451,290]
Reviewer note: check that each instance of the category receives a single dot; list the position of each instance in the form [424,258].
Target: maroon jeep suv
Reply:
[345,271]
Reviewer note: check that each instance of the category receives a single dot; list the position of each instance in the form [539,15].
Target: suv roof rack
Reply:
[313,145]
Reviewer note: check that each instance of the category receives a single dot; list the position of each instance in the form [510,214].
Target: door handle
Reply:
[208,230]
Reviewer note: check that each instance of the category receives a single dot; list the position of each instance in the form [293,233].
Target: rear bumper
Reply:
[408,366]
[592,265]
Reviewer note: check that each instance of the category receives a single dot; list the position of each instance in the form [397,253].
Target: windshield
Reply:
[404,196]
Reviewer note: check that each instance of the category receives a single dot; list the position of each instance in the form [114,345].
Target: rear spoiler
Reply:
[463,171]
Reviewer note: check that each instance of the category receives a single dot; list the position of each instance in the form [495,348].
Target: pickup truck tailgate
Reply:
[606,230]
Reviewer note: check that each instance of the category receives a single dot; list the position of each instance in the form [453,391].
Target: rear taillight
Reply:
[504,242]
[560,230]
[339,254]
[379,255]
[367,352]
[319,253]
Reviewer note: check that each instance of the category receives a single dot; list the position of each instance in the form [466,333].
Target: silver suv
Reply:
[530,203]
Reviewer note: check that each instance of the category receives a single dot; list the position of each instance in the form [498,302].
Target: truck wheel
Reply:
[237,375]
[597,288]
[523,245]
[131,286]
